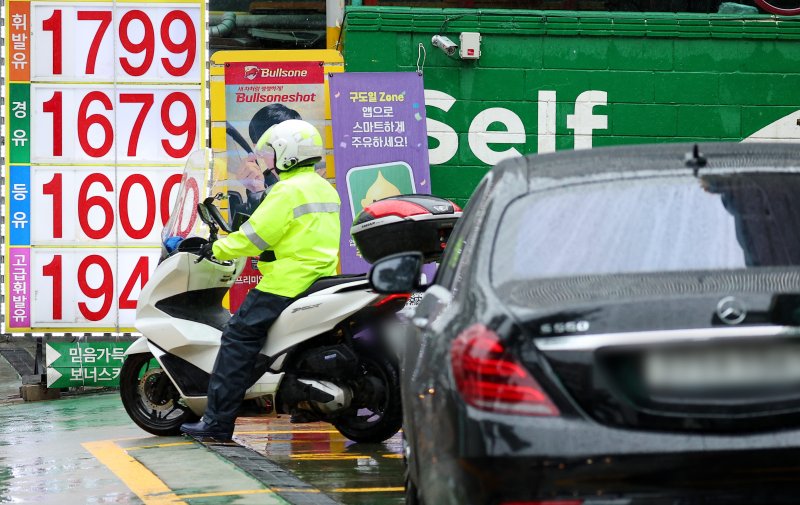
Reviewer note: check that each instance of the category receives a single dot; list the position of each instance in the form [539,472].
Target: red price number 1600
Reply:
[138,205]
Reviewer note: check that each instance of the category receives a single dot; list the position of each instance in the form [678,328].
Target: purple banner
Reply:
[19,287]
[380,144]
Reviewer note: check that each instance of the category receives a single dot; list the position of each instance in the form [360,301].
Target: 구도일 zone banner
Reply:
[105,102]
[380,142]
[259,95]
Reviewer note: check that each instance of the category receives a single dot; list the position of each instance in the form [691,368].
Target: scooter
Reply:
[324,358]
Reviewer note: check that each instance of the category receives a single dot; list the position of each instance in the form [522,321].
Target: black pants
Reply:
[242,339]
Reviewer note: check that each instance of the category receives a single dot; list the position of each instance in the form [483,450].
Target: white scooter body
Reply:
[198,342]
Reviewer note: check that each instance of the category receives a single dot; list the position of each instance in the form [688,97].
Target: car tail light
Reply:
[401,298]
[392,303]
[489,377]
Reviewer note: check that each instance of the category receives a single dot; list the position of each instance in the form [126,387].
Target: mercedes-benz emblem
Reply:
[731,311]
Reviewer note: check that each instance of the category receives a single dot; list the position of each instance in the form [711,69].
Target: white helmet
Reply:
[295,142]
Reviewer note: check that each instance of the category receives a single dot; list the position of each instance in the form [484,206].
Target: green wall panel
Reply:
[615,78]
[679,87]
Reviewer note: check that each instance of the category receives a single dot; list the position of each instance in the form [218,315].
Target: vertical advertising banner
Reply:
[105,102]
[259,95]
[380,144]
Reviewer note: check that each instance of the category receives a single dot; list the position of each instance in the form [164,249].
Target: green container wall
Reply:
[665,78]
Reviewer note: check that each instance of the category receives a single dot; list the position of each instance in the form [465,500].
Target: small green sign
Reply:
[72,364]
[85,376]
[19,123]
[370,183]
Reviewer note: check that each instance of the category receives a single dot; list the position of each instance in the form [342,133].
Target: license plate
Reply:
[722,367]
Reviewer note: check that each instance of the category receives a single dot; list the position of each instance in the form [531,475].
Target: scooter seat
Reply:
[329,282]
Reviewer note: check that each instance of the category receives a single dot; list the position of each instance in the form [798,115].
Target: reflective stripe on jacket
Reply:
[299,221]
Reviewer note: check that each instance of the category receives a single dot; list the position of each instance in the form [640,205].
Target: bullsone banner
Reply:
[259,95]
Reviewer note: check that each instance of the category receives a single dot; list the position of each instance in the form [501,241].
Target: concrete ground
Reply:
[9,381]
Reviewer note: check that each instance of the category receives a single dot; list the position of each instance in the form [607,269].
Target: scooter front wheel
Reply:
[150,398]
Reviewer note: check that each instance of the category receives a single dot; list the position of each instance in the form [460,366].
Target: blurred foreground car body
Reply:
[614,326]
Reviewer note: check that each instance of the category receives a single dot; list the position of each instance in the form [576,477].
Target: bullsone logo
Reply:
[251,72]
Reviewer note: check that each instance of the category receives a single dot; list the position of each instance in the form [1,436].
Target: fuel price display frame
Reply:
[104,102]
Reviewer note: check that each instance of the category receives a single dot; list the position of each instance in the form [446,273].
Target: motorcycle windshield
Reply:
[235,178]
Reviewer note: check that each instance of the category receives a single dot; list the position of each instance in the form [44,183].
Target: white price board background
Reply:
[105,102]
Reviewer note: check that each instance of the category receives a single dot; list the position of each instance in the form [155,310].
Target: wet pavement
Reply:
[85,449]
[350,473]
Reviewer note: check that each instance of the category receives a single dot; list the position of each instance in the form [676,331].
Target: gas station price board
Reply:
[105,101]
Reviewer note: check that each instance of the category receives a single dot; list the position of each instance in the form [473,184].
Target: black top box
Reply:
[402,223]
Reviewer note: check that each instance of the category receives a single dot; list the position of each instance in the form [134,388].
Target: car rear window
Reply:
[651,224]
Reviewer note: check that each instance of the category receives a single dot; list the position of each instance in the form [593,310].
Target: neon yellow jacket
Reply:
[299,221]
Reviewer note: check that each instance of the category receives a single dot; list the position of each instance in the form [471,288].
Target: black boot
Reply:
[202,429]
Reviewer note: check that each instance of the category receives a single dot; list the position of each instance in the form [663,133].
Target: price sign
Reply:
[88,287]
[103,123]
[153,43]
[95,205]
[105,103]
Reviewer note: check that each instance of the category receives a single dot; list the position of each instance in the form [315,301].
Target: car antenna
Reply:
[695,160]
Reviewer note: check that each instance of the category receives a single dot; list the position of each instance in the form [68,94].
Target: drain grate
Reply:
[271,474]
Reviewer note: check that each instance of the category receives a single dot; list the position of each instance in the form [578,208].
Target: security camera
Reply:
[446,45]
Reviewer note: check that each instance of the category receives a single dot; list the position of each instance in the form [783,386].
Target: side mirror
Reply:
[239,219]
[215,215]
[398,273]
[205,216]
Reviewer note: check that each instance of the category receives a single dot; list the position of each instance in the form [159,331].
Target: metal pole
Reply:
[334,11]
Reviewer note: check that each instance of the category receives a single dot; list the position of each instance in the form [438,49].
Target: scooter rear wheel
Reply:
[377,413]
[150,398]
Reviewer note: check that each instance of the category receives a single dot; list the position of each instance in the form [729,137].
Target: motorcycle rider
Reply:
[296,232]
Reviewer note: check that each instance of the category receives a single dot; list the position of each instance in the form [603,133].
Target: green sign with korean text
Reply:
[19,122]
[73,364]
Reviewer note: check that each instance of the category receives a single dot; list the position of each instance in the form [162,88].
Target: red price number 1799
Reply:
[141,34]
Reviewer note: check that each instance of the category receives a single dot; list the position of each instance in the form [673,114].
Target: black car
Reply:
[613,326]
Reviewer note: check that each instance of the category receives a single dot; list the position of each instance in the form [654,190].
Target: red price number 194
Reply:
[85,280]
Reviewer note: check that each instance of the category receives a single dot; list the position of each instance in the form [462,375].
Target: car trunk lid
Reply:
[697,362]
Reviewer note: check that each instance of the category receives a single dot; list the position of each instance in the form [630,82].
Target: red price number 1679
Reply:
[94,123]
